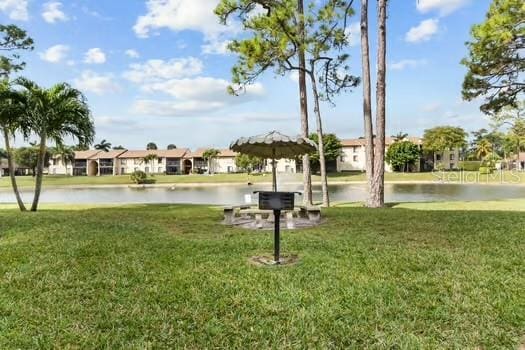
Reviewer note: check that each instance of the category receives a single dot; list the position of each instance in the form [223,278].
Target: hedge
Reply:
[470,165]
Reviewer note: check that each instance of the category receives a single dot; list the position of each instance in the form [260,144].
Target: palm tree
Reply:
[103,146]
[149,159]
[483,148]
[66,154]
[400,136]
[209,155]
[12,120]
[53,114]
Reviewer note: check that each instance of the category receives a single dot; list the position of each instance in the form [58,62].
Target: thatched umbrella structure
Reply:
[274,145]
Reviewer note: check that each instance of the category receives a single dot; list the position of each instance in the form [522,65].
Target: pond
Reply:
[235,194]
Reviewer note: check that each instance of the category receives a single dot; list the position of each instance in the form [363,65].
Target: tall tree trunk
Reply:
[11,166]
[307,172]
[319,122]
[378,182]
[39,171]
[367,99]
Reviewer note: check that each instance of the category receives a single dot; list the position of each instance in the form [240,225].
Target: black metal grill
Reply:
[276,200]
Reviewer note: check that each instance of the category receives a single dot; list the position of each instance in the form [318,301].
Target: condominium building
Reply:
[353,156]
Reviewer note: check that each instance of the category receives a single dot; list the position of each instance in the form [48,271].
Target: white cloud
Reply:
[160,70]
[423,32]
[97,83]
[353,33]
[131,53]
[95,14]
[95,56]
[53,12]
[445,7]
[15,9]
[55,54]
[179,15]
[193,96]
[200,88]
[406,63]
[216,46]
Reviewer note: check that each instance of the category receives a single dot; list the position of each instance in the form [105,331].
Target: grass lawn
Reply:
[470,177]
[170,276]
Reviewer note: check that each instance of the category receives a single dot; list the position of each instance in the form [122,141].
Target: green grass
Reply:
[170,276]
[453,177]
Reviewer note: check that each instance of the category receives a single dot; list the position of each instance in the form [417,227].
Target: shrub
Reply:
[140,178]
[472,165]
[485,170]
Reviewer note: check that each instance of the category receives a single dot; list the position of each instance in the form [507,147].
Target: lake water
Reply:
[234,194]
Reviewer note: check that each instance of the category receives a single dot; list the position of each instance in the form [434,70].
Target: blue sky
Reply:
[156,70]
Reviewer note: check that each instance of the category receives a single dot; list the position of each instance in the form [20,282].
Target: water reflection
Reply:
[234,194]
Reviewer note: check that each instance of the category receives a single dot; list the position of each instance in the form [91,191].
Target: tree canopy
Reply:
[332,147]
[171,146]
[103,145]
[496,60]
[401,154]
[27,157]
[248,163]
[442,138]
[276,40]
[55,113]
[211,153]
[12,40]
[151,146]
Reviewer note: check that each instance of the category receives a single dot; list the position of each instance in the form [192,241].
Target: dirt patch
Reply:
[268,260]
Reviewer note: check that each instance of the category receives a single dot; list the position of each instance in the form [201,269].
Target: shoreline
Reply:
[232,184]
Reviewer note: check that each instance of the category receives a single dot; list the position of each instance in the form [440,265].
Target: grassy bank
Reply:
[140,277]
[452,177]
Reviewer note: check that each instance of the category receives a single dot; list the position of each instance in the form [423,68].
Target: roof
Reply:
[108,155]
[173,153]
[199,153]
[227,153]
[388,141]
[85,154]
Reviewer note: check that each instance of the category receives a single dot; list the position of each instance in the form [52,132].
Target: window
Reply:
[354,149]
[342,159]
[452,156]
[356,158]
[159,160]
[438,157]
[451,165]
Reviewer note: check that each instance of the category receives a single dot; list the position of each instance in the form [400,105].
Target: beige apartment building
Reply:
[123,162]
[354,156]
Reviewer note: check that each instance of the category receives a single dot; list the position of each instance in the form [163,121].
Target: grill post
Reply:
[277,236]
